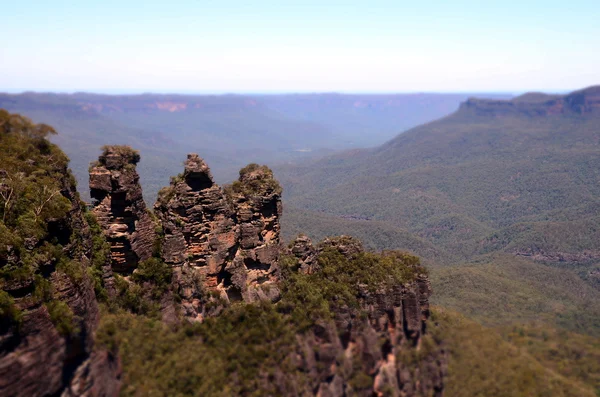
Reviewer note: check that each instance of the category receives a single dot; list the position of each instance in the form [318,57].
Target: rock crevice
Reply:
[335,352]
[221,243]
[120,209]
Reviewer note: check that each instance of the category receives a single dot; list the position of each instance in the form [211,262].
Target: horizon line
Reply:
[124,92]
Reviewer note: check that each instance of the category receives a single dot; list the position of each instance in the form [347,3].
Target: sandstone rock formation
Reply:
[256,198]
[220,244]
[305,253]
[395,327]
[120,209]
[36,358]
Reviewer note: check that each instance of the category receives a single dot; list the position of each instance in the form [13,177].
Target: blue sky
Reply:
[286,46]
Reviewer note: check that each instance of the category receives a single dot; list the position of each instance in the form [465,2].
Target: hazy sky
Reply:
[263,46]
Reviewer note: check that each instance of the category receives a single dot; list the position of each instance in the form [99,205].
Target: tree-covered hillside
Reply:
[229,131]
[519,176]
[506,194]
[529,338]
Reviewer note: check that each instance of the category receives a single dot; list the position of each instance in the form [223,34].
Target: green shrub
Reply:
[254,180]
[155,271]
[310,297]
[233,354]
[135,298]
[100,256]
[129,155]
[9,312]
[62,317]
[43,290]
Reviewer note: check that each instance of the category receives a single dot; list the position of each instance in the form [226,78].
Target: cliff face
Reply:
[222,245]
[385,353]
[49,310]
[120,208]
[350,331]
[586,101]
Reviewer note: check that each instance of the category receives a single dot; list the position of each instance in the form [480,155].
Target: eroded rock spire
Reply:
[221,243]
[119,207]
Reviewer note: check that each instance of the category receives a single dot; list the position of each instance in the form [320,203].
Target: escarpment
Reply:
[379,345]
[582,102]
[253,317]
[220,243]
[48,307]
[358,319]
[120,209]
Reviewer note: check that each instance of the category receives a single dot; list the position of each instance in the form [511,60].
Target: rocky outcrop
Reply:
[305,253]
[120,209]
[222,245]
[38,356]
[386,353]
[586,101]
[256,199]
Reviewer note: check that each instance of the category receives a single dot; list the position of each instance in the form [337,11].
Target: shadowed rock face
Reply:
[120,208]
[256,199]
[396,321]
[224,245]
[35,359]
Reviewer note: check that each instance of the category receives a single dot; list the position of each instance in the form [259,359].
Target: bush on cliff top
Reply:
[128,156]
[341,281]
[254,180]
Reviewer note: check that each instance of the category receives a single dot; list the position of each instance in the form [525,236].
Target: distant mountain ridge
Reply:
[230,131]
[505,192]
[579,102]
[456,181]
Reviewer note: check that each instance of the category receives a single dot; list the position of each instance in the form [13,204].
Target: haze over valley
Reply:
[230,131]
[306,199]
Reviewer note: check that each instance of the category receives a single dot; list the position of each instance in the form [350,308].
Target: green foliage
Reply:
[100,256]
[15,123]
[483,364]
[129,155]
[135,298]
[31,169]
[62,317]
[242,351]
[313,297]
[154,271]
[43,290]
[571,355]
[233,354]
[71,268]
[33,175]
[459,181]
[254,180]
[142,292]
[503,289]
[9,312]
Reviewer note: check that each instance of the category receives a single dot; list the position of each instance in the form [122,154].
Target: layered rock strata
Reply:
[36,357]
[387,347]
[221,244]
[120,209]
